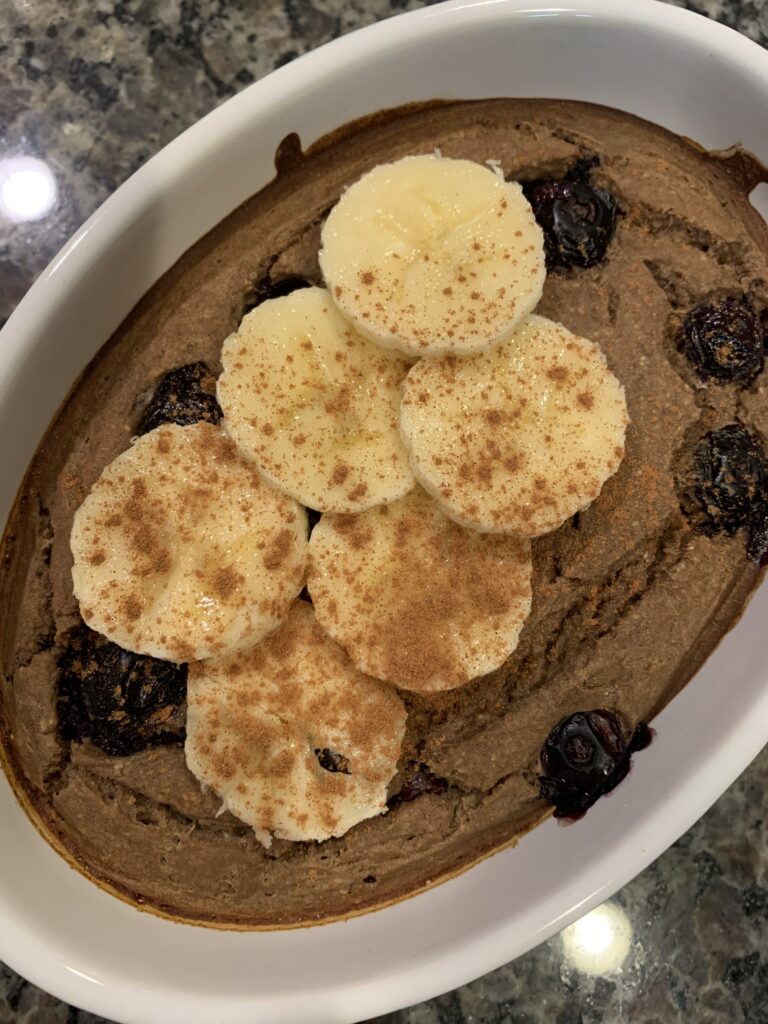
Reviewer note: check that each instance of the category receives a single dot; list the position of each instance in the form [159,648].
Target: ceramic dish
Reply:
[60,930]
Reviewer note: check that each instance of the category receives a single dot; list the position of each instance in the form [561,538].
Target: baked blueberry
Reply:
[723,341]
[730,479]
[184,395]
[266,288]
[584,757]
[578,221]
[331,761]
[419,781]
[120,701]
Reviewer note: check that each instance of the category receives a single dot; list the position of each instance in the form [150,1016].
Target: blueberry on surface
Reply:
[185,395]
[120,701]
[730,479]
[723,341]
[578,221]
[584,757]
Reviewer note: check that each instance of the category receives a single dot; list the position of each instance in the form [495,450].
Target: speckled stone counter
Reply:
[95,88]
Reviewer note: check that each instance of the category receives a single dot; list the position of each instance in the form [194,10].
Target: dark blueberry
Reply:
[331,761]
[584,757]
[269,289]
[419,781]
[730,481]
[577,219]
[724,341]
[121,702]
[184,395]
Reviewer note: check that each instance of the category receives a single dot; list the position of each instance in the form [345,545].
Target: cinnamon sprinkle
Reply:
[256,719]
[157,499]
[411,595]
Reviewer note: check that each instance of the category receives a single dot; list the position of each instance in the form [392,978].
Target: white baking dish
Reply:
[60,930]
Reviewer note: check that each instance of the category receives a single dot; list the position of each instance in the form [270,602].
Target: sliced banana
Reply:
[315,405]
[431,255]
[182,551]
[415,599]
[295,741]
[518,439]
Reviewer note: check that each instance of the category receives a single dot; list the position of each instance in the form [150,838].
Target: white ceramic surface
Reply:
[58,929]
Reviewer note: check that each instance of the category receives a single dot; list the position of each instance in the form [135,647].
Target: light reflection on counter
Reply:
[27,188]
[599,942]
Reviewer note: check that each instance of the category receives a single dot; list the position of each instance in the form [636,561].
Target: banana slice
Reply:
[431,255]
[182,551]
[315,405]
[415,599]
[295,741]
[518,439]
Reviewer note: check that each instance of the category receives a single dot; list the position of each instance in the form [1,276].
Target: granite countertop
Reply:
[95,88]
